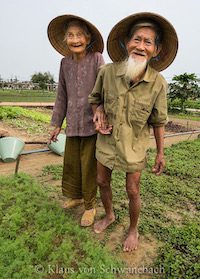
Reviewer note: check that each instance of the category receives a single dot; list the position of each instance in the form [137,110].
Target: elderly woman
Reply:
[81,44]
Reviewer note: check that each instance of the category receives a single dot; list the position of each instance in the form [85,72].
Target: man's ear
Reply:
[157,50]
[126,42]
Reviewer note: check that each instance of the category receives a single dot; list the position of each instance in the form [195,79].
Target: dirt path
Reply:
[33,163]
[190,124]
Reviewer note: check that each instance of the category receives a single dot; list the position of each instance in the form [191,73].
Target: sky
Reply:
[25,48]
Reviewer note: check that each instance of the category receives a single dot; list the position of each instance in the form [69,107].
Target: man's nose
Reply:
[141,45]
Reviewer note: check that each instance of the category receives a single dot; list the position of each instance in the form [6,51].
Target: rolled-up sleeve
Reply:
[158,116]
[60,107]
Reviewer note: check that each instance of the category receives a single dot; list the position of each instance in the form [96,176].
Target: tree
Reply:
[42,79]
[184,87]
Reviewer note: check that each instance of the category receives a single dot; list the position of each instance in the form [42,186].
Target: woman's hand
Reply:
[54,134]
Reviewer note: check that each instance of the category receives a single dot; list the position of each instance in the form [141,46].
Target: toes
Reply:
[130,244]
[100,226]
[97,228]
[127,249]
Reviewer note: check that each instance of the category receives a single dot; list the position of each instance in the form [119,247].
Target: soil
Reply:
[177,128]
[33,164]
[30,163]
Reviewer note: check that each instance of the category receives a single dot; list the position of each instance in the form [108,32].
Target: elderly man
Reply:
[130,95]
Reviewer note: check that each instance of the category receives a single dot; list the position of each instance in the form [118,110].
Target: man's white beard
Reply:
[134,68]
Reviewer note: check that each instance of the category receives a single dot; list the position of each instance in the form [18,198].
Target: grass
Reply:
[39,240]
[26,96]
[187,116]
[170,208]
[194,104]
[16,112]
[54,170]
[30,119]
[181,252]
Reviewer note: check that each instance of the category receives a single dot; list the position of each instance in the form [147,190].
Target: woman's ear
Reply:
[88,40]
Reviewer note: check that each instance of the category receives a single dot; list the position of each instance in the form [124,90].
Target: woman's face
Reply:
[76,40]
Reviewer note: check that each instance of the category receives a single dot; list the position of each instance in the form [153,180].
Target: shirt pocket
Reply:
[138,116]
[110,105]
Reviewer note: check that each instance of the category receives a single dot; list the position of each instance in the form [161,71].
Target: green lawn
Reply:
[38,240]
[170,208]
[187,116]
[27,96]
[195,104]
[33,120]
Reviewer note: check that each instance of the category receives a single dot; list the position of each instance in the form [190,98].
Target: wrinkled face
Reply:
[142,45]
[76,40]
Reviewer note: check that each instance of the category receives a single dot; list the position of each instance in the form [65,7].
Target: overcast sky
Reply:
[25,48]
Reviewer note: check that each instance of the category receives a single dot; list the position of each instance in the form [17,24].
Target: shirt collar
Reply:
[149,75]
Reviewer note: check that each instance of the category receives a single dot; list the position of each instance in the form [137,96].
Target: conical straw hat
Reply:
[57,28]
[118,35]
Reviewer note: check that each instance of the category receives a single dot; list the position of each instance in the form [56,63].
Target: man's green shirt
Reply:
[131,109]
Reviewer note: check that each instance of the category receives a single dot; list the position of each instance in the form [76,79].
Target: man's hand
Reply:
[101,122]
[159,164]
[160,160]
[106,131]
[100,118]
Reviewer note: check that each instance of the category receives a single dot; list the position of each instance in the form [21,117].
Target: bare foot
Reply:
[101,225]
[131,242]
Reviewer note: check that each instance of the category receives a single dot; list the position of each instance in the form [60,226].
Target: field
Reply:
[9,95]
[41,240]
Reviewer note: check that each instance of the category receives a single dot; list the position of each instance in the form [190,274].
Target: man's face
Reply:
[142,44]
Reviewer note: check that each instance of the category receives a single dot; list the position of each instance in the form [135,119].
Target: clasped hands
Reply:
[101,122]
